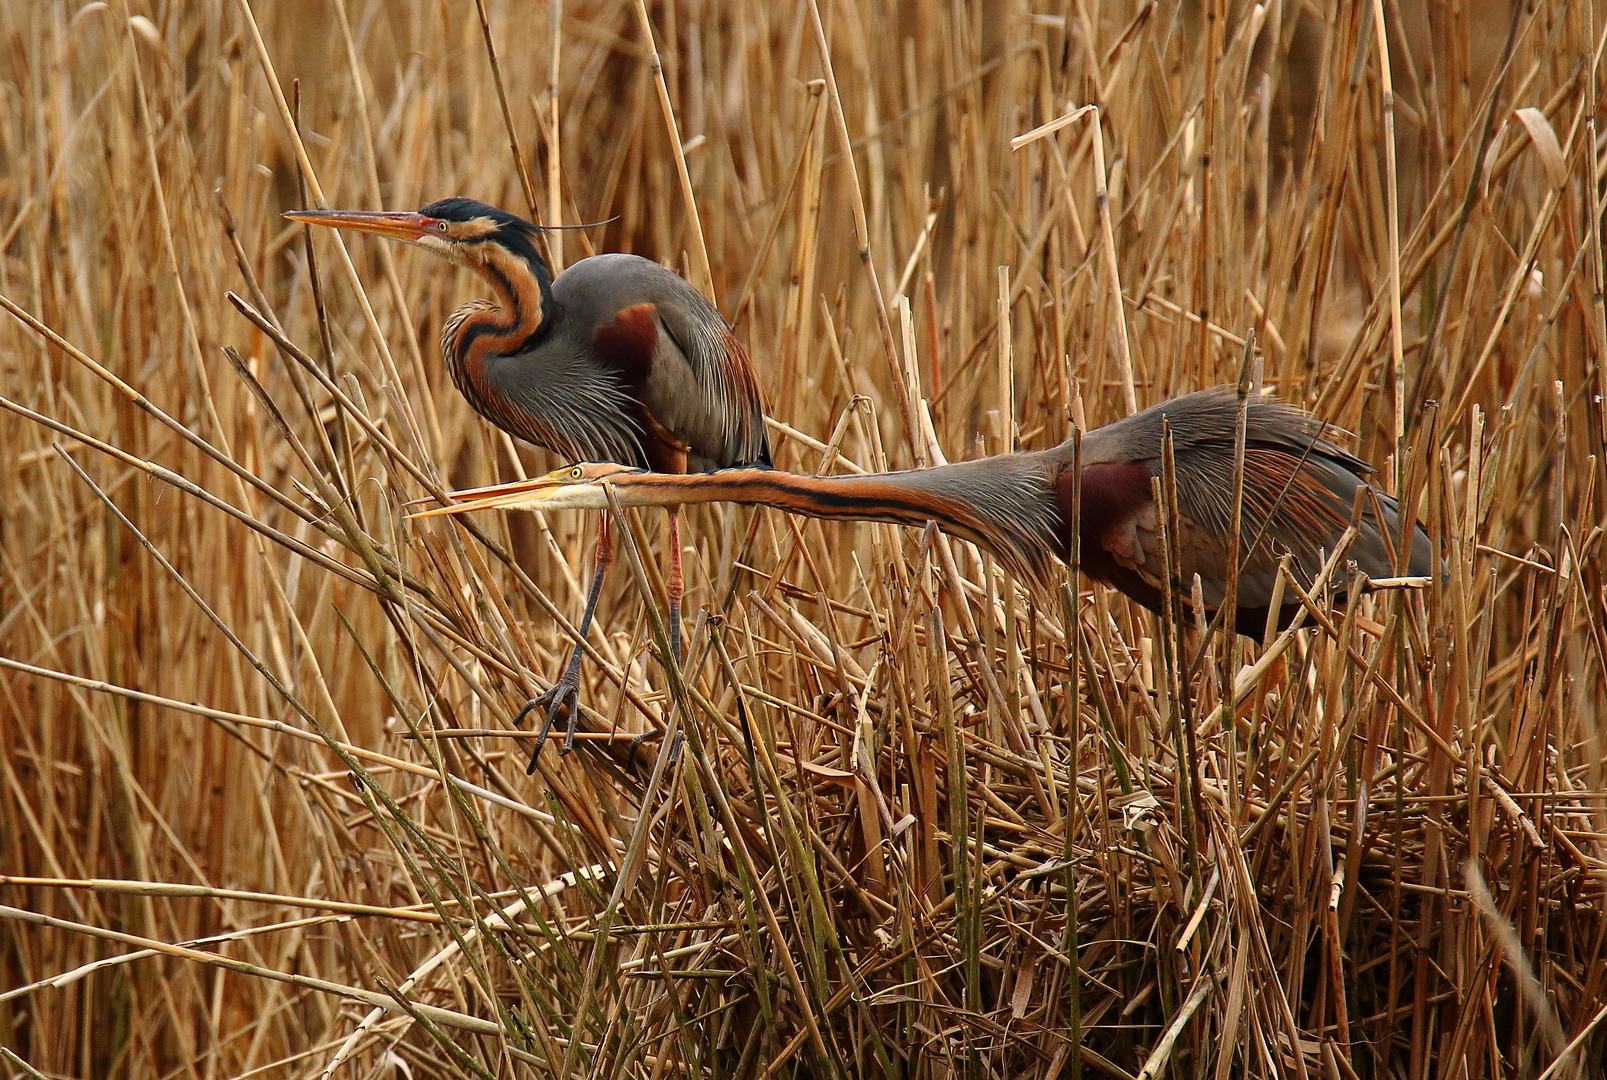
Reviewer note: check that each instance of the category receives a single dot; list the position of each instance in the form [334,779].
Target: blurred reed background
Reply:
[926,823]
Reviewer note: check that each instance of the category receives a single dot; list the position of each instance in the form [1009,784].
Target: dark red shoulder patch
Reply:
[626,345]
[1112,494]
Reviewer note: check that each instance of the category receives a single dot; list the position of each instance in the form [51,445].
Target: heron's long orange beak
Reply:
[402,225]
[558,490]
[521,493]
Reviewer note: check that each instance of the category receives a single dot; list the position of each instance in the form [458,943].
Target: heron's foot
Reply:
[560,699]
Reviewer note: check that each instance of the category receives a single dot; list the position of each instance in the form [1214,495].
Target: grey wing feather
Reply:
[738,434]
[700,386]
[577,410]
[1203,430]
[724,424]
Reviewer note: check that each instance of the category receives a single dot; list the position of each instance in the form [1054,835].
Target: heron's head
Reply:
[463,231]
[573,487]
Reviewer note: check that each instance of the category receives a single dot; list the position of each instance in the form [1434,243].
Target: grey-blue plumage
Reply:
[1299,492]
[618,359]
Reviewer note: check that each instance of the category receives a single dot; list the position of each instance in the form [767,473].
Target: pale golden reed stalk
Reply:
[261,812]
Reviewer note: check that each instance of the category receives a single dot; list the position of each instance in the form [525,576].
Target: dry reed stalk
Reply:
[921,823]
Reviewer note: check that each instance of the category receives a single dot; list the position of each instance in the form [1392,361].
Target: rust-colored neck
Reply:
[482,331]
[1020,531]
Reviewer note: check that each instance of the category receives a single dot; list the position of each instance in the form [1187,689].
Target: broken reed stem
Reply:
[901,378]
[703,274]
[1227,616]
[1397,333]
[1118,313]
[1178,674]
[555,196]
[520,165]
[1327,757]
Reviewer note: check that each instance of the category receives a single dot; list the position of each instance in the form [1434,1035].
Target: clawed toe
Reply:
[540,701]
[562,697]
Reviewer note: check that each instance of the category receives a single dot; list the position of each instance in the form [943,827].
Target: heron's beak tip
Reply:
[492,499]
[434,511]
[403,225]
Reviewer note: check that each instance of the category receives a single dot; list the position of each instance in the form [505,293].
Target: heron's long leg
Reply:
[674,586]
[566,690]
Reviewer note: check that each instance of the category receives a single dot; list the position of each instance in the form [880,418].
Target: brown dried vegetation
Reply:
[924,823]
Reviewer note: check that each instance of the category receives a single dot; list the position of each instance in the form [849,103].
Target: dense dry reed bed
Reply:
[261,812]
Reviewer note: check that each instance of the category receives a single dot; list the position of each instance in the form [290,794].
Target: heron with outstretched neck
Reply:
[616,359]
[1299,493]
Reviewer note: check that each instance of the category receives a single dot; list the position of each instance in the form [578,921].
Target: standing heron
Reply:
[617,360]
[1299,490]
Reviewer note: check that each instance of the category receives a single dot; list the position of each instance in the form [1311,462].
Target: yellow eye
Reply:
[576,473]
[440,226]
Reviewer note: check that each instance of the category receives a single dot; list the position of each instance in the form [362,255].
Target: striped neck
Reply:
[512,322]
[1010,512]
[507,323]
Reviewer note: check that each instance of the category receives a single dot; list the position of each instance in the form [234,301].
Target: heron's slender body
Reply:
[617,360]
[1299,490]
